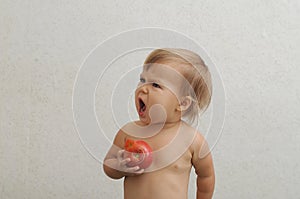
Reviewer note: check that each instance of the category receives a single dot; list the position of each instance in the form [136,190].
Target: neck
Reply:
[169,124]
[161,125]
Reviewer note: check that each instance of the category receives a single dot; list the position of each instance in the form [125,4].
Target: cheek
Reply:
[171,101]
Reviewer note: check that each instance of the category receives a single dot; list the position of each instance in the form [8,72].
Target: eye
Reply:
[142,80]
[156,85]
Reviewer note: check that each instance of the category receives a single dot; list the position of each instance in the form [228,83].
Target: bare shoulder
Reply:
[118,144]
[120,138]
[197,139]
[201,155]
[200,146]
[126,131]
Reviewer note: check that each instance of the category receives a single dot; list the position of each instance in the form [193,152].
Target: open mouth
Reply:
[142,107]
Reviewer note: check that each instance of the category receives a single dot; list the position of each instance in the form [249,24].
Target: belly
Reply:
[170,181]
[165,183]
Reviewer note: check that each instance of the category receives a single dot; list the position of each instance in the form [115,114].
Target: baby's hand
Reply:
[122,165]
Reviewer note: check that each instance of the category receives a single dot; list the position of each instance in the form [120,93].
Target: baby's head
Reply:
[198,89]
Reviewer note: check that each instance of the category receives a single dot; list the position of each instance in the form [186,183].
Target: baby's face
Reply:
[159,90]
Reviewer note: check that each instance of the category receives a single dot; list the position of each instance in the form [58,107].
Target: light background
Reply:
[255,45]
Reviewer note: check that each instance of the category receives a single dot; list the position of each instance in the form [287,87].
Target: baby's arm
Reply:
[114,164]
[203,164]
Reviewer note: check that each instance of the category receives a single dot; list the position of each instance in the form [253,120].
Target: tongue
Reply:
[143,108]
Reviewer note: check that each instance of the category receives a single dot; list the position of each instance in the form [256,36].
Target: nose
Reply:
[144,88]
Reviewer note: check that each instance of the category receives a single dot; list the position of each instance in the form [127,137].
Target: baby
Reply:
[175,85]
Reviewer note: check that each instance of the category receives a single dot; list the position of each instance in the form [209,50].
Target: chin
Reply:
[145,120]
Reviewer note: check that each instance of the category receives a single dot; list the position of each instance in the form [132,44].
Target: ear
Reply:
[185,103]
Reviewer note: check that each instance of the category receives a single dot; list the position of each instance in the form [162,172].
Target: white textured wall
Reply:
[255,45]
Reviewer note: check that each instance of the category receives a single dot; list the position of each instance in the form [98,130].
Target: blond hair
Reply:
[194,70]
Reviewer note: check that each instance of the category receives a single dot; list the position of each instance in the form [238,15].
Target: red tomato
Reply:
[139,152]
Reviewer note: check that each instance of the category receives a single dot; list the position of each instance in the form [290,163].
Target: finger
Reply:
[139,171]
[124,161]
[132,169]
[120,155]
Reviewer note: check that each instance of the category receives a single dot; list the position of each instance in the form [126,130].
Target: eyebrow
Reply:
[151,79]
